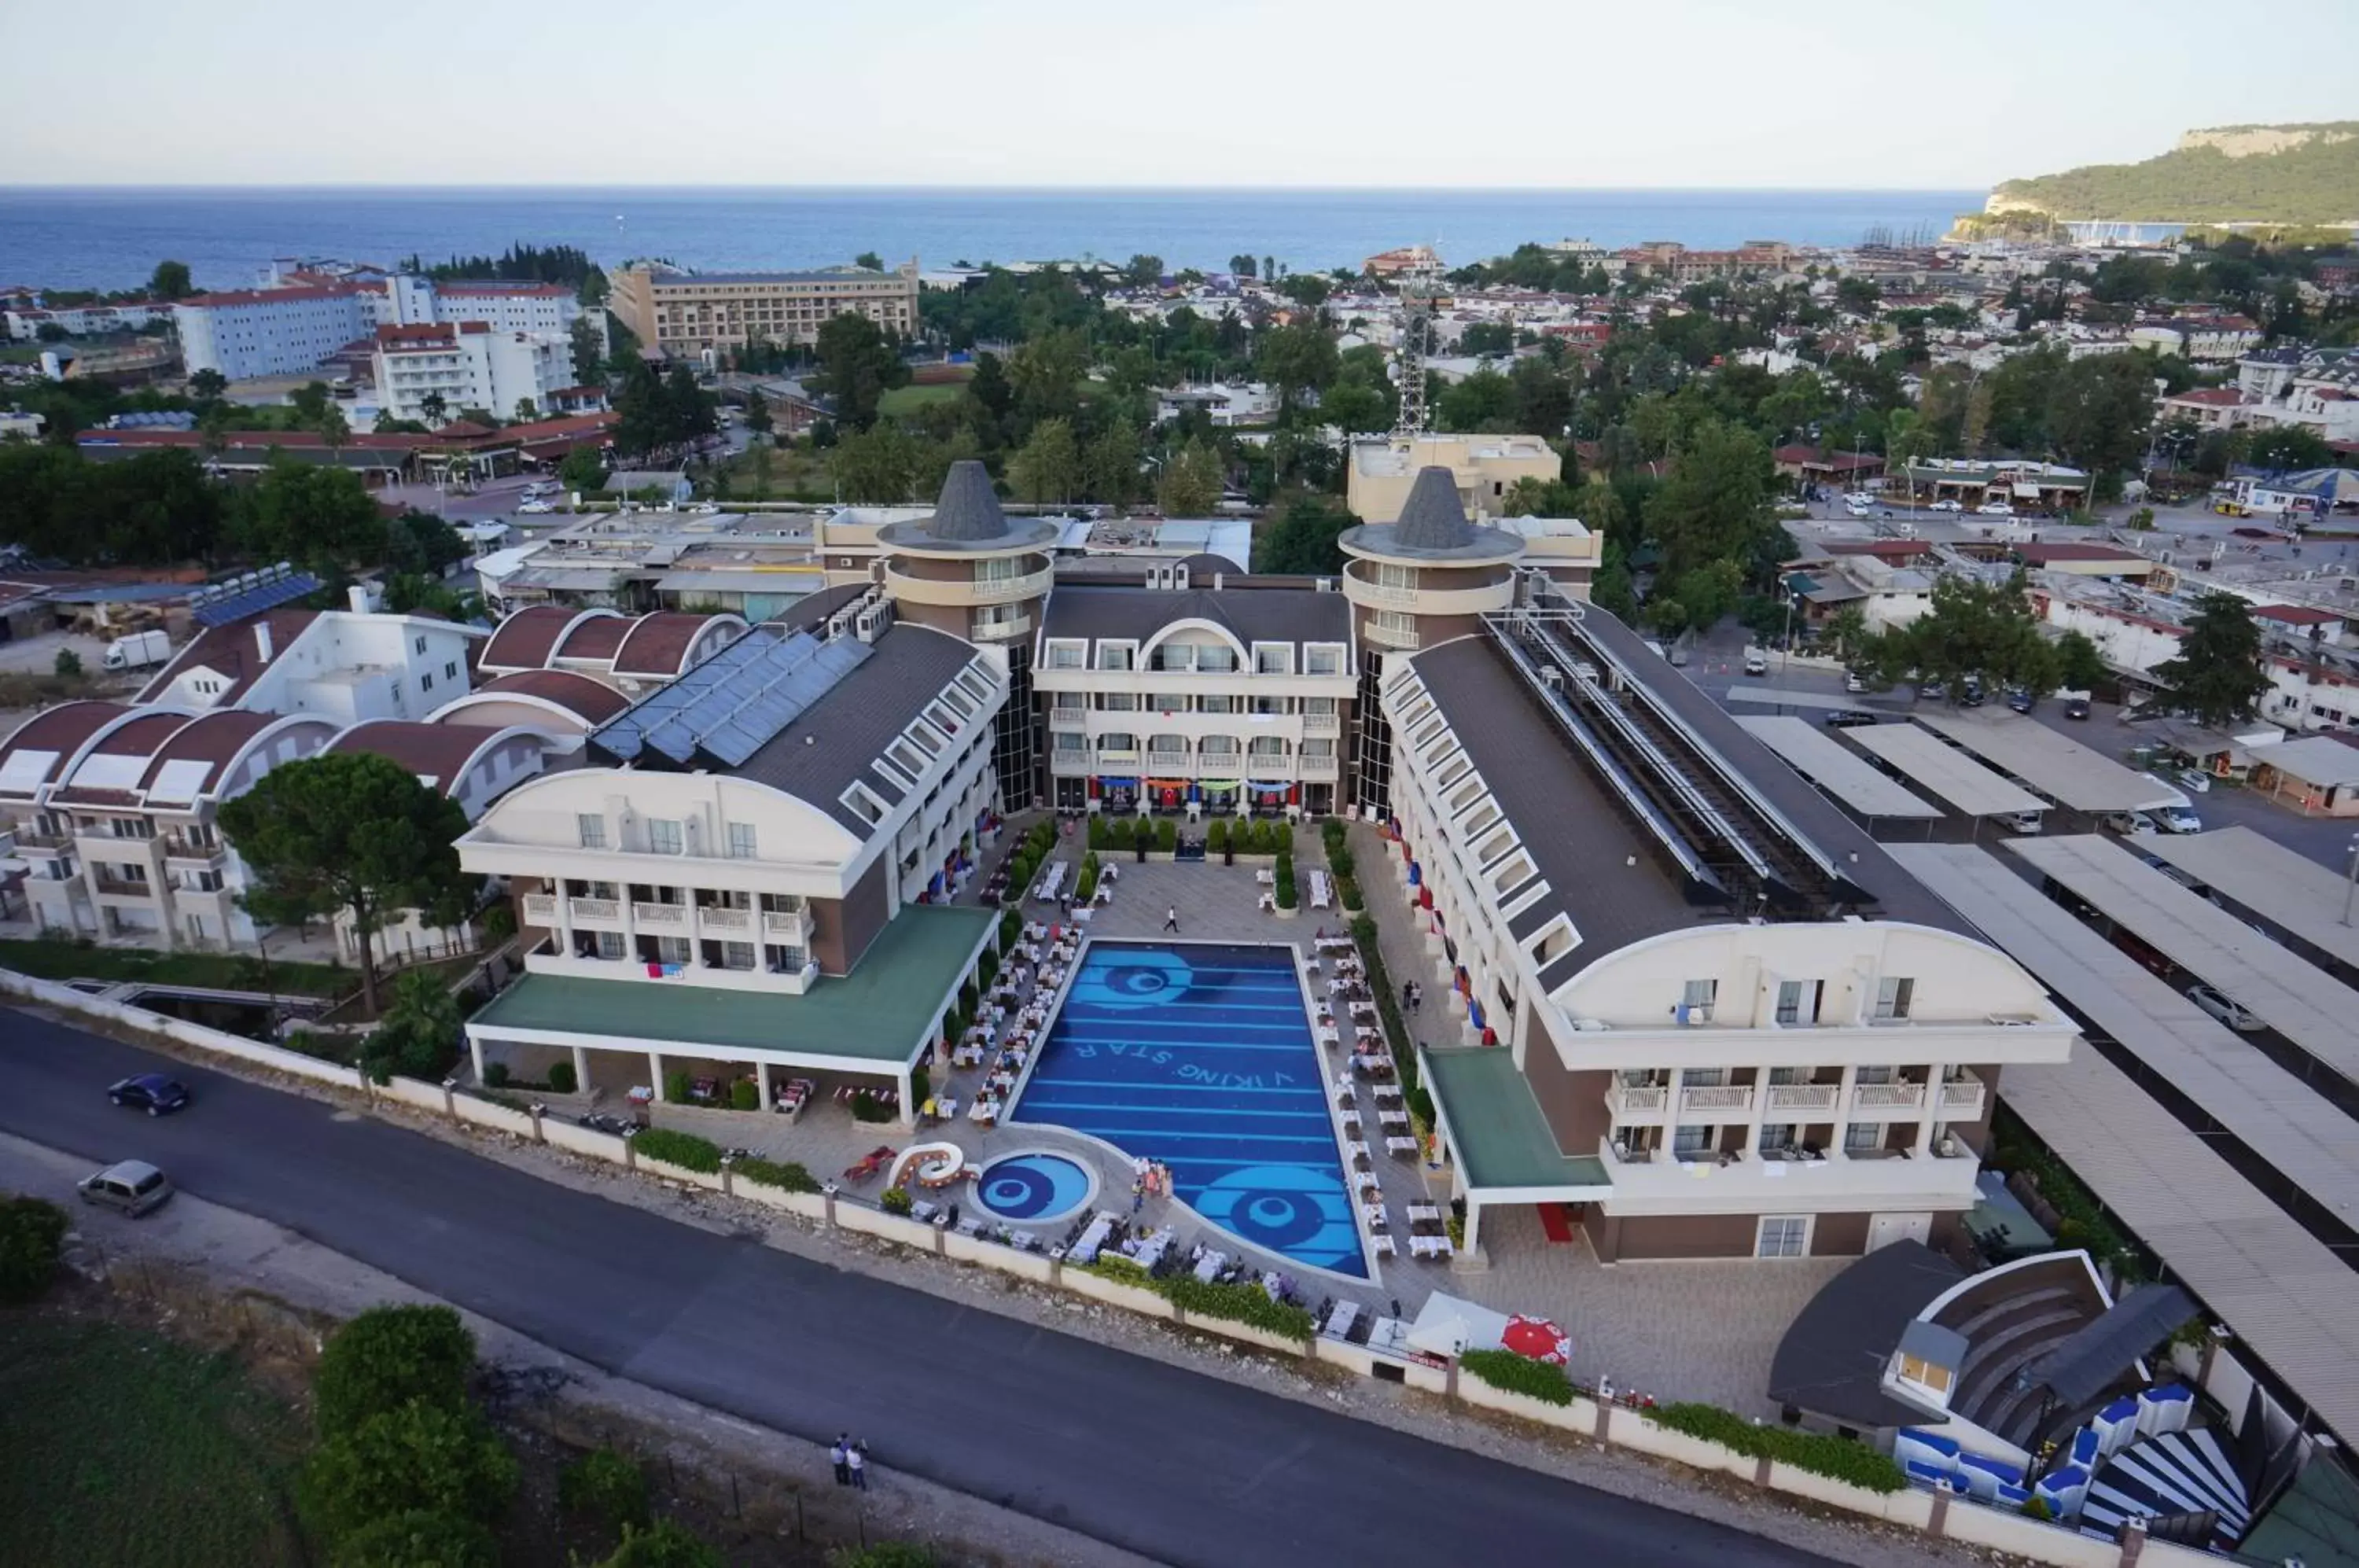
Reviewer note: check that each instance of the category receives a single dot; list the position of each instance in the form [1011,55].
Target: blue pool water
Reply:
[1032,1187]
[1200,1057]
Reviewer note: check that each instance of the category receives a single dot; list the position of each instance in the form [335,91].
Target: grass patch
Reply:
[903,401]
[50,960]
[122,1446]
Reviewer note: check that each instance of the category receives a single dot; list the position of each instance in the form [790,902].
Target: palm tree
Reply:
[433,407]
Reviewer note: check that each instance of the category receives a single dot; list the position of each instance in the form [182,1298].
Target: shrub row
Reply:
[1339,861]
[1246,1303]
[1085,887]
[1025,863]
[1420,1103]
[1837,1458]
[783,1174]
[1284,877]
[684,1150]
[1513,1374]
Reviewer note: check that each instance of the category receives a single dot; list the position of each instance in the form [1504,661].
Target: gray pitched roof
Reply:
[1431,518]
[967,508]
[1251,615]
[833,741]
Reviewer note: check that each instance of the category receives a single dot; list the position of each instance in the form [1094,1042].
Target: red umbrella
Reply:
[1537,1338]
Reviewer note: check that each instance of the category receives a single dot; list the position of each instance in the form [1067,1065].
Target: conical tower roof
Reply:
[967,510]
[1431,518]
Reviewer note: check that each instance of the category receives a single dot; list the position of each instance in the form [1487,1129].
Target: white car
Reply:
[1948,505]
[2177,819]
[2227,1011]
[2129,825]
[535,507]
[1994,509]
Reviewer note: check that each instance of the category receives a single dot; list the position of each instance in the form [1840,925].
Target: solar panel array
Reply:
[222,605]
[737,702]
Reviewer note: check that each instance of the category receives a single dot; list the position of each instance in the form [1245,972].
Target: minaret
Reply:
[970,570]
[1421,580]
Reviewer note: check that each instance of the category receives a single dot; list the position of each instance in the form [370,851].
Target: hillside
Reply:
[2270,174]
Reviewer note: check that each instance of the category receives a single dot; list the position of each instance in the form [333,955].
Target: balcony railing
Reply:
[606,910]
[1803,1096]
[1320,766]
[1006,629]
[1386,636]
[1068,721]
[540,908]
[1719,1098]
[176,847]
[1109,757]
[1963,1098]
[674,916]
[43,844]
[1888,1096]
[719,918]
[120,888]
[791,926]
[1629,1100]
[1322,724]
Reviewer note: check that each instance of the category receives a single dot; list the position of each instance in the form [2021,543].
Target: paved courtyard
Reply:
[1701,1330]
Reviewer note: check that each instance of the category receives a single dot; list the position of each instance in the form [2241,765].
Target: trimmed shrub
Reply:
[32,1239]
[921,1084]
[496,1075]
[684,1150]
[783,1174]
[666,1546]
[1363,933]
[1011,926]
[1837,1458]
[676,1087]
[1085,885]
[744,1095]
[560,1079]
[1167,836]
[1123,834]
[1121,1270]
[388,1357]
[868,1108]
[1283,877]
[1513,1374]
[1248,1304]
[1100,835]
[895,1201]
[1216,836]
[604,1486]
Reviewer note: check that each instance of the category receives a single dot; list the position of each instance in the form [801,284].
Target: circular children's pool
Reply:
[1033,1187]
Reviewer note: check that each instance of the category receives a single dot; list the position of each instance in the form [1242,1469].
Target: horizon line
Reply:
[919,188]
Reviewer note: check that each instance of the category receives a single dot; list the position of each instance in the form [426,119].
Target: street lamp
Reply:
[2350,882]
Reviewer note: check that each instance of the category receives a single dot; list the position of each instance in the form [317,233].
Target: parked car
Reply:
[533,508]
[2021,700]
[1969,691]
[2024,821]
[1948,505]
[2177,819]
[2227,1011]
[1994,509]
[1853,682]
[2076,707]
[133,1186]
[2128,823]
[152,1093]
[1850,718]
[1756,662]
[2195,778]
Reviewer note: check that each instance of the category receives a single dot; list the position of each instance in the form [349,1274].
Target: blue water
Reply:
[1200,1057]
[1032,1187]
[112,238]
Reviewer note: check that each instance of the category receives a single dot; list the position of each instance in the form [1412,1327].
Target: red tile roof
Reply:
[2209,397]
[2040,554]
[2297,614]
[437,753]
[231,652]
[137,738]
[660,643]
[596,637]
[273,296]
[214,739]
[594,701]
[62,730]
[523,640]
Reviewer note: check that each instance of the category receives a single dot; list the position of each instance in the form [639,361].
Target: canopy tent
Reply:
[1447,1325]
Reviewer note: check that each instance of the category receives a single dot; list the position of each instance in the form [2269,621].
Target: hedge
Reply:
[783,1174]
[1283,878]
[1364,932]
[684,1150]
[1216,836]
[1838,1458]
[1085,887]
[1246,1303]
[1515,1374]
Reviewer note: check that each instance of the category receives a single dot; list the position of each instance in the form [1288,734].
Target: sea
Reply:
[112,237]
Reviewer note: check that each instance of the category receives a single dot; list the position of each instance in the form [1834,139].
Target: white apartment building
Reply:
[342,665]
[469,364]
[247,334]
[1741,1033]
[735,875]
[84,320]
[1177,697]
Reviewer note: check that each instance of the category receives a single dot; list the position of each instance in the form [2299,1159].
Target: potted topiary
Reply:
[1216,840]
[1167,838]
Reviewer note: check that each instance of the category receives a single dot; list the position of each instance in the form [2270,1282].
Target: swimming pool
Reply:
[1200,1056]
[1035,1186]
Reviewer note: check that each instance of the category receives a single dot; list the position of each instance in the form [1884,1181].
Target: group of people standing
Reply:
[851,1459]
[1412,996]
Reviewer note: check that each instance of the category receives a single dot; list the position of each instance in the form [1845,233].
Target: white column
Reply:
[655,1074]
[1844,1109]
[762,1081]
[1932,1109]
[475,1050]
[564,917]
[582,1069]
[908,1110]
[1473,1224]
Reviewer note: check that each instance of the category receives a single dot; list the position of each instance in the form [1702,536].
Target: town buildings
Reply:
[299,325]
[443,368]
[690,313]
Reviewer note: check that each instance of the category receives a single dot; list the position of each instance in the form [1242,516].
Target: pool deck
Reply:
[1702,1329]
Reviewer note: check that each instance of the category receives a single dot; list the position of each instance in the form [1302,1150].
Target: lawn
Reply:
[71,961]
[120,1447]
[903,401]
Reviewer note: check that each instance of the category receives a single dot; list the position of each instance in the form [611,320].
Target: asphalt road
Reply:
[1163,1462]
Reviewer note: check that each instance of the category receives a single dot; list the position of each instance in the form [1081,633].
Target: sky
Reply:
[1478,93]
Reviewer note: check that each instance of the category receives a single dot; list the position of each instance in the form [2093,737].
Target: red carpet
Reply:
[1552,1220]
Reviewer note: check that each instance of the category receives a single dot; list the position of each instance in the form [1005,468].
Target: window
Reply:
[1323,659]
[673,949]
[425,684]
[1689,1142]
[1924,1374]
[1777,1136]
[1858,1136]
[1318,705]
[1214,703]
[610,945]
[1696,999]
[1797,1002]
[421,645]
[1782,1236]
[737,955]
[1115,655]
[1394,628]
[664,837]
[451,670]
[1892,997]
[1273,660]
[741,841]
[1066,656]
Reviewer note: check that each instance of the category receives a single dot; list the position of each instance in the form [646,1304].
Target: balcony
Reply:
[1007,629]
[1111,757]
[1170,764]
[1707,1183]
[1632,1103]
[957,592]
[1439,591]
[1322,724]
[1069,764]
[1068,721]
[1320,766]
[670,916]
[117,887]
[594,911]
[1803,1096]
[1386,636]
[540,910]
[1724,1102]
[192,852]
[1873,1098]
[789,926]
[43,844]
[718,920]
[1964,1098]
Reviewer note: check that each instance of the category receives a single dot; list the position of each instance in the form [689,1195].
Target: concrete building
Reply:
[469,364]
[341,665]
[1717,1029]
[84,320]
[1484,468]
[246,334]
[688,313]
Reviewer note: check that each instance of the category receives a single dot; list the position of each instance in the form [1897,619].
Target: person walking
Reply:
[840,1455]
[1171,919]
[1408,993]
[856,1459]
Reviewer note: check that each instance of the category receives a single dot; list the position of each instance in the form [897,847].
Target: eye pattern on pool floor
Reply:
[1032,1187]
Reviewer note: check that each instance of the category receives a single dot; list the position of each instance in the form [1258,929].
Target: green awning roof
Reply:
[880,1012]
[1496,1127]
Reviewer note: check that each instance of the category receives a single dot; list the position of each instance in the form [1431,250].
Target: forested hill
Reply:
[2271,174]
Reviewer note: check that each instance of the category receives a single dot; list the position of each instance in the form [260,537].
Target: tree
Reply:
[413,1458]
[1048,467]
[2288,448]
[1974,628]
[1483,401]
[667,1545]
[335,430]
[390,1357]
[67,665]
[1111,465]
[689,407]
[433,407]
[207,385]
[1192,482]
[870,260]
[171,281]
[2079,666]
[589,353]
[604,1486]
[1305,288]
[2098,411]
[1846,630]
[1302,541]
[878,465]
[2217,674]
[1143,271]
[1241,265]
[858,364]
[32,1239]
[758,422]
[1484,338]
[1045,373]
[418,1537]
[1297,358]
[1716,500]
[350,831]
[582,469]
[419,1034]
[323,517]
